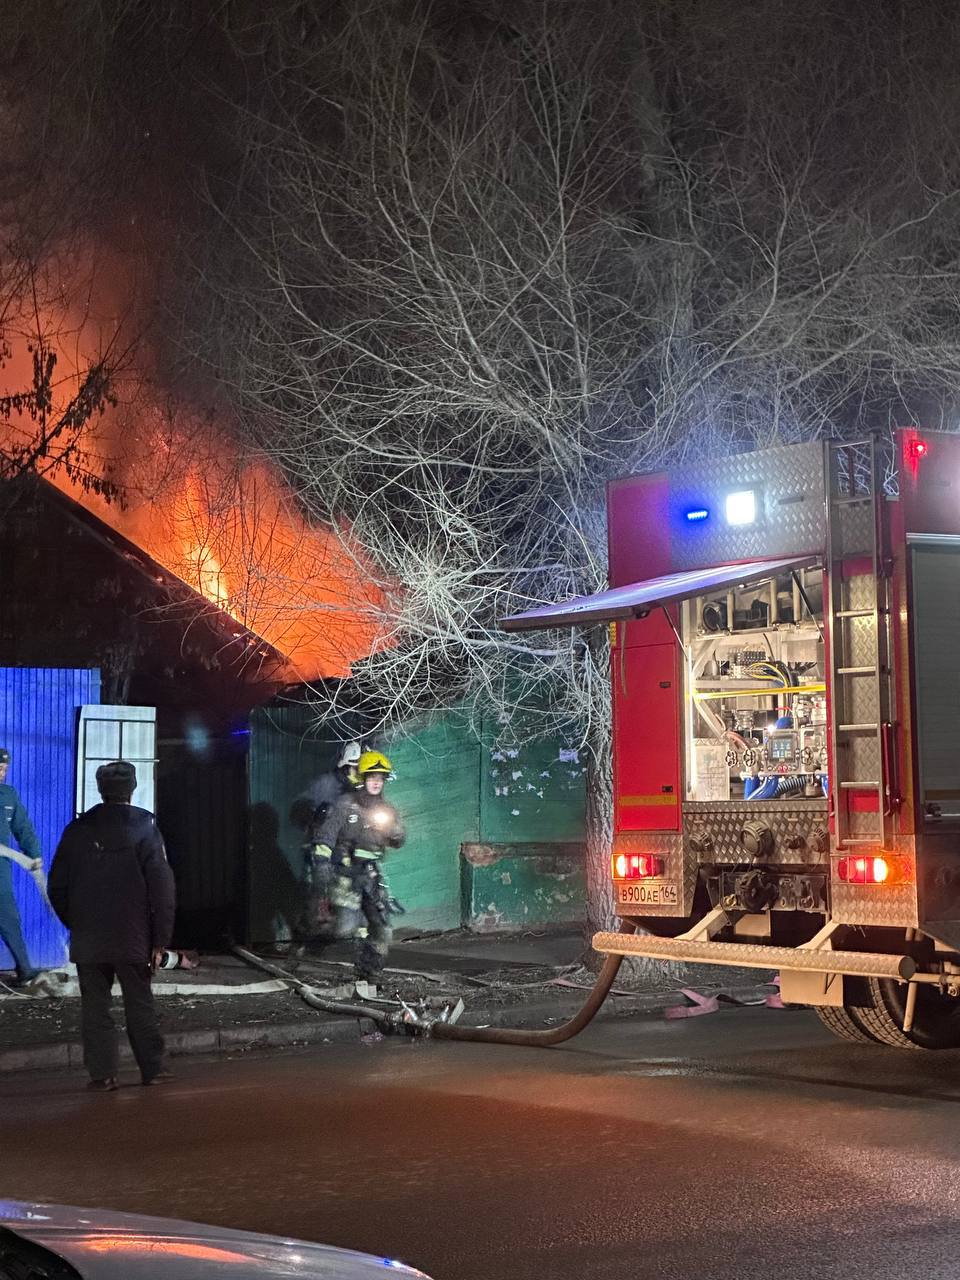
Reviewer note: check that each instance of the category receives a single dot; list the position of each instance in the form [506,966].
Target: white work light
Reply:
[741,507]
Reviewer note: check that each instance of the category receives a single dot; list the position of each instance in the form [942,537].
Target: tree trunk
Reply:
[599,832]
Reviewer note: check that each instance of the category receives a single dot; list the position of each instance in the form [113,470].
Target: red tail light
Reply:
[867,869]
[636,866]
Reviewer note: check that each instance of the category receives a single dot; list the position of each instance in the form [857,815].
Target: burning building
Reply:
[135,539]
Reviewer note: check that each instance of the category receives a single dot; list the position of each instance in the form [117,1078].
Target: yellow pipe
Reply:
[796,690]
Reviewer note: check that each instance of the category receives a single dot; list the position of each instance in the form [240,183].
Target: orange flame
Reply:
[228,527]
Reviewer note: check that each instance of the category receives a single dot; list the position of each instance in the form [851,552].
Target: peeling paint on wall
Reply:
[532,791]
[506,886]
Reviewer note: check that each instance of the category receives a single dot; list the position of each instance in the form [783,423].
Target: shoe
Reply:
[162,1077]
[21,979]
[107,1085]
[37,985]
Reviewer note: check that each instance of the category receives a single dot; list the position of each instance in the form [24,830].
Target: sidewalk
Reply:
[226,1006]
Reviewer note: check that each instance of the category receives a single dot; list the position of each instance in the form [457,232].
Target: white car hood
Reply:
[125,1246]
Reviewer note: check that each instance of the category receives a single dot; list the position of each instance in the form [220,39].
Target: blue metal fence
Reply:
[38,725]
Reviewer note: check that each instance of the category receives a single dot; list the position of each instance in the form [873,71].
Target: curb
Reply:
[226,1040]
[41,1057]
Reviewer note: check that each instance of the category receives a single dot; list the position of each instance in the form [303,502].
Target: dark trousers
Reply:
[317,923]
[10,931]
[101,1054]
[360,897]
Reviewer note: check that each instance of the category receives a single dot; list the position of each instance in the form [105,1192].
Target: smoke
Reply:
[109,120]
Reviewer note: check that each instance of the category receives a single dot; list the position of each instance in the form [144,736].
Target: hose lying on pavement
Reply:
[310,997]
[555,1035]
[440,1030]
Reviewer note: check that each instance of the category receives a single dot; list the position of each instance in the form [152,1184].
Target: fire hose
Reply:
[555,1035]
[32,866]
[441,1030]
[310,997]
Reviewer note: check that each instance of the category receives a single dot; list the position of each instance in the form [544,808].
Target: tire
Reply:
[936,1019]
[843,1023]
[878,1020]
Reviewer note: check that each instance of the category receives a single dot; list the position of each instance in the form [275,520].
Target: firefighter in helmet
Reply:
[310,810]
[356,833]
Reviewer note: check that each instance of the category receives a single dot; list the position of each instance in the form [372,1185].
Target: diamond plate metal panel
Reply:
[753,955]
[712,831]
[877,904]
[789,484]
[865,824]
[677,868]
[853,529]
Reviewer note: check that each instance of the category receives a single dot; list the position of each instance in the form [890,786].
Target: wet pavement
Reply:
[743,1144]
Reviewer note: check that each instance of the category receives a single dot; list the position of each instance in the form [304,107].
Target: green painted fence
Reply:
[437,791]
[285,754]
[531,792]
[452,791]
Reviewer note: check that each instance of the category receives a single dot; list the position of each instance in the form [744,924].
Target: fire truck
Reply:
[786,708]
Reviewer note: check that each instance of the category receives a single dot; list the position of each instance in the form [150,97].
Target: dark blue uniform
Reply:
[15,826]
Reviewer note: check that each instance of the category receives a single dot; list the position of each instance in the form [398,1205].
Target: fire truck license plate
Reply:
[664,894]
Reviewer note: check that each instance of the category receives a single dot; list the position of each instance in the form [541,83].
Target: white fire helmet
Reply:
[349,755]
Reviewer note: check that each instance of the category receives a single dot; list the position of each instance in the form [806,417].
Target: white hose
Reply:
[37,874]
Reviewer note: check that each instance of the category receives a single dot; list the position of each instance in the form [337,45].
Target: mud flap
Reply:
[798,987]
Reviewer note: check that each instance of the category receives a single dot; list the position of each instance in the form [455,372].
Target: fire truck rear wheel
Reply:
[844,1024]
[936,1019]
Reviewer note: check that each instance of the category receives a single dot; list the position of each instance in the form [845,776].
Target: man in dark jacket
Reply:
[14,825]
[112,887]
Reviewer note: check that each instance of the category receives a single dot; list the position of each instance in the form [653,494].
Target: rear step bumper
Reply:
[749,955]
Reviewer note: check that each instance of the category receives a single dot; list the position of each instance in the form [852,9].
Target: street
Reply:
[743,1144]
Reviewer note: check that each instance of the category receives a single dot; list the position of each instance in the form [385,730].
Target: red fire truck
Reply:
[786,699]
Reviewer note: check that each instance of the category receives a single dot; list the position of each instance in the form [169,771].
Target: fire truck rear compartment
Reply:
[760,886]
[785,684]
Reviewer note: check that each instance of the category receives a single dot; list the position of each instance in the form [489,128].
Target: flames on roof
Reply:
[226,526]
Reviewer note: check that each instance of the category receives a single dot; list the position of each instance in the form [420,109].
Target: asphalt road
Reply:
[742,1144]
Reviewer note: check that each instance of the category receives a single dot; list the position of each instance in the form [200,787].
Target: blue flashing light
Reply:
[697,514]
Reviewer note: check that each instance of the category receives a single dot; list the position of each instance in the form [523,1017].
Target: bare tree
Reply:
[52,396]
[464,262]
[61,367]
[463,275]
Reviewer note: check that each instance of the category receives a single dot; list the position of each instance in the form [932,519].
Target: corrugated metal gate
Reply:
[38,724]
[284,759]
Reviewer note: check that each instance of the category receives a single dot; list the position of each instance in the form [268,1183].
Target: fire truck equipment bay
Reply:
[786,700]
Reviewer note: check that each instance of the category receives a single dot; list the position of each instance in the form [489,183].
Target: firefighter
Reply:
[355,835]
[315,803]
[324,792]
[14,825]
